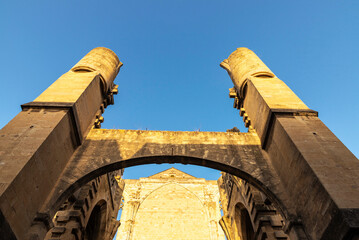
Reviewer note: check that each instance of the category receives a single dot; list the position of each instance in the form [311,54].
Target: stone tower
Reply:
[170,205]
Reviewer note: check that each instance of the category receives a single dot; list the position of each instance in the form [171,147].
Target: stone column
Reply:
[210,208]
[132,210]
[36,145]
[318,171]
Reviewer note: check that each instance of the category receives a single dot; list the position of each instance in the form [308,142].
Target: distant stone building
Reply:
[170,205]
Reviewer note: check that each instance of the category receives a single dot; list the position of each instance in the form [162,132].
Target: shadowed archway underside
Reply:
[107,150]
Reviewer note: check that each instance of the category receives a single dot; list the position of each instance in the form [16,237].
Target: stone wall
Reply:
[170,205]
[90,213]
[247,213]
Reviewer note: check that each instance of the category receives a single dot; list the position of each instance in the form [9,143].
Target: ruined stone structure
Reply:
[248,213]
[91,212]
[54,146]
[170,205]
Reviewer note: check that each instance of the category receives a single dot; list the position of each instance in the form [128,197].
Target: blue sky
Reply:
[171,50]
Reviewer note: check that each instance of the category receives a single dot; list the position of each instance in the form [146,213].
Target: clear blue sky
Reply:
[171,50]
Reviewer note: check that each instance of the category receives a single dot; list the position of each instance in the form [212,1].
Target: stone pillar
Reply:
[129,222]
[212,218]
[36,145]
[318,171]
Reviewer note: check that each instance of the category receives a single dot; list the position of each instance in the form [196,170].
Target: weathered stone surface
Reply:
[249,214]
[289,155]
[107,150]
[31,163]
[79,217]
[319,173]
[37,144]
[170,205]
[108,67]
[242,64]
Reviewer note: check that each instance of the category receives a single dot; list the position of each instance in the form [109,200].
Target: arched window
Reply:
[243,223]
[96,225]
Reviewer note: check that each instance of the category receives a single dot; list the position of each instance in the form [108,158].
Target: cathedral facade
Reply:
[170,205]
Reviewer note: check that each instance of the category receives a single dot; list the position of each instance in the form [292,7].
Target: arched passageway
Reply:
[103,151]
[168,191]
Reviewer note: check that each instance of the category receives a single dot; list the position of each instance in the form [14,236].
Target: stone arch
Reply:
[267,183]
[244,225]
[287,145]
[239,154]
